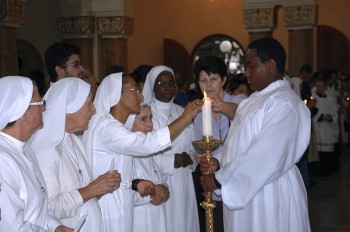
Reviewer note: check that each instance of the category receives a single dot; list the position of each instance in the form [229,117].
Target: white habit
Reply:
[148,217]
[22,203]
[262,188]
[181,207]
[182,203]
[112,140]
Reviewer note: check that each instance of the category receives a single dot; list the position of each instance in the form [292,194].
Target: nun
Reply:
[23,193]
[72,190]
[108,140]
[177,161]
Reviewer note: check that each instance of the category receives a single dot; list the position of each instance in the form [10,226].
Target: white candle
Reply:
[206,116]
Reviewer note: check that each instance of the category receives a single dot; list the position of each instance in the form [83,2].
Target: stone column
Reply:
[12,14]
[79,30]
[259,22]
[114,31]
[300,21]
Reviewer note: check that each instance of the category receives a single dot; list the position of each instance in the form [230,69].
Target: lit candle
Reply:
[206,116]
[305,101]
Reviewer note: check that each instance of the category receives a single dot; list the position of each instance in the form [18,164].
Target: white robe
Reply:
[261,186]
[63,181]
[23,205]
[326,132]
[181,208]
[112,140]
[148,217]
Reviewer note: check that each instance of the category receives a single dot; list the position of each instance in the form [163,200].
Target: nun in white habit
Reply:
[108,140]
[23,200]
[158,91]
[62,158]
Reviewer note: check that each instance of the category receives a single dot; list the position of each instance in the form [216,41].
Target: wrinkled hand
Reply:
[161,195]
[208,182]
[182,160]
[105,183]
[62,228]
[145,188]
[191,109]
[210,166]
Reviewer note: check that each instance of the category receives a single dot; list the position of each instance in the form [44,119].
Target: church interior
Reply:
[128,33]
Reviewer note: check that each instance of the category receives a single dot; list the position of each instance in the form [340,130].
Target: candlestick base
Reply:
[207,144]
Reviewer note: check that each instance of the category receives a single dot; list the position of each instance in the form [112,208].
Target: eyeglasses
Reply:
[164,84]
[42,102]
[134,89]
[77,64]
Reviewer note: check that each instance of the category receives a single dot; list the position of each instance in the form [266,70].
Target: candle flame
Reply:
[205,95]
[311,97]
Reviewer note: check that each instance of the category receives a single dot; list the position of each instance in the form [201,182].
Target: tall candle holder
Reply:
[208,144]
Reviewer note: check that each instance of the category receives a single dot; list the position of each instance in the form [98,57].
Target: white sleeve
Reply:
[63,204]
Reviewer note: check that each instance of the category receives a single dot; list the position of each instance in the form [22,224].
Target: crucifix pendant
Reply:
[80,173]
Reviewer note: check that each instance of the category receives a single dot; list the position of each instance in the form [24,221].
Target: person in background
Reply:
[176,161]
[181,96]
[140,73]
[72,191]
[305,73]
[211,77]
[238,85]
[62,60]
[23,193]
[261,187]
[109,142]
[41,81]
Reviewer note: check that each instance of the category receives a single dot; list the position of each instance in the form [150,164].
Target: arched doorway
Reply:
[333,50]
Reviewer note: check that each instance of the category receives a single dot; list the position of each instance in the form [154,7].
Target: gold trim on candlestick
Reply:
[207,144]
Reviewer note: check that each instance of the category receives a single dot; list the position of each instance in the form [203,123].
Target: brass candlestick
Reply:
[207,144]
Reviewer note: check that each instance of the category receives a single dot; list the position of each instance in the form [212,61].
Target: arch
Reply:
[28,57]
[210,46]
[333,50]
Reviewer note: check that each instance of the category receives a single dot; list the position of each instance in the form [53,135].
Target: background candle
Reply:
[206,116]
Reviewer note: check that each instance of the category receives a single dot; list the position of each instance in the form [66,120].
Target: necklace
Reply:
[76,159]
[42,189]
[154,168]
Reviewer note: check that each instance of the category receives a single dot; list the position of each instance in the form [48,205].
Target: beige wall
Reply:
[186,21]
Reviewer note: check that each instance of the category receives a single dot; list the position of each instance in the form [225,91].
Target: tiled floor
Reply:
[329,199]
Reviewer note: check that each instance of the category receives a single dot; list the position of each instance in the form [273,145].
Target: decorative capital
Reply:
[258,20]
[300,17]
[76,26]
[116,26]
[12,12]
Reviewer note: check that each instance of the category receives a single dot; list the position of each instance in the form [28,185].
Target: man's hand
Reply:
[210,166]
[208,182]
[182,160]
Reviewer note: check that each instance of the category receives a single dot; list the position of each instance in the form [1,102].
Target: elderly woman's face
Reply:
[143,121]
[212,84]
[164,87]
[80,119]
